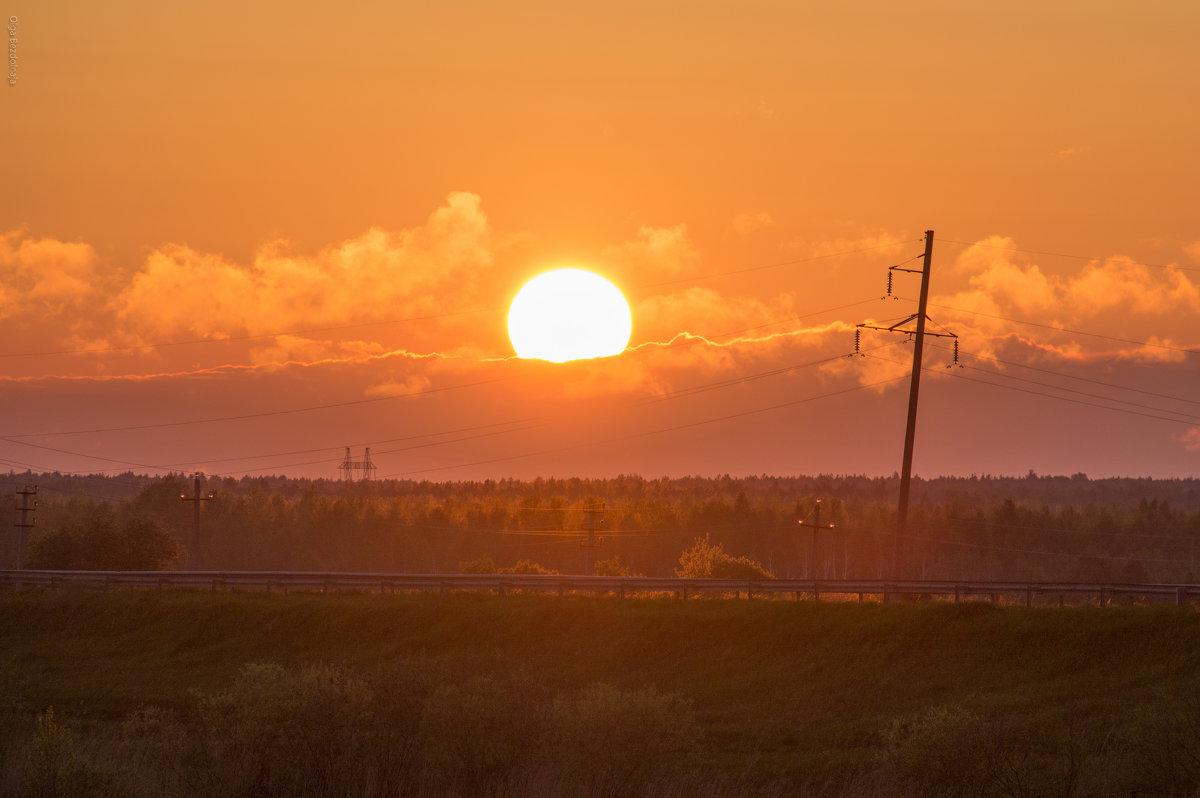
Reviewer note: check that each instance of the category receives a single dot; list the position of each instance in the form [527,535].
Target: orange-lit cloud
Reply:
[750,221]
[1117,297]
[1191,439]
[43,276]
[655,251]
[378,275]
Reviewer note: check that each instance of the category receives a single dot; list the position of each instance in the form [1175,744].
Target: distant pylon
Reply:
[354,470]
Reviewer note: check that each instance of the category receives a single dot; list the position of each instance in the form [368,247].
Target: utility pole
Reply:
[914,389]
[914,386]
[814,526]
[592,542]
[195,499]
[24,521]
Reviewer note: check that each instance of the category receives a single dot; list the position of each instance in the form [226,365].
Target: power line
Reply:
[242,338]
[1059,328]
[1189,420]
[540,421]
[648,433]
[779,264]
[410,319]
[1077,401]
[1081,379]
[1074,257]
[1195,418]
[263,414]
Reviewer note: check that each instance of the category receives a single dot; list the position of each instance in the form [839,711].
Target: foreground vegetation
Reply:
[143,693]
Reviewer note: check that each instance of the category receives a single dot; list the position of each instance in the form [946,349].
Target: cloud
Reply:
[656,250]
[404,385]
[1191,439]
[1117,297]
[1193,250]
[378,275]
[840,250]
[40,276]
[1122,283]
[750,221]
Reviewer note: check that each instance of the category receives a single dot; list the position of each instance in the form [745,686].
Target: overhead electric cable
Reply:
[1074,377]
[243,338]
[263,414]
[1074,257]
[1059,328]
[778,264]
[676,428]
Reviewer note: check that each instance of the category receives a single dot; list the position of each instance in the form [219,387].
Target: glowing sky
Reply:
[241,239]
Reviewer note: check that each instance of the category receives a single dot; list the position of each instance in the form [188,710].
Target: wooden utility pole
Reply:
[814,526]
[914,389]
[24,521]
[591,542]
[195,499]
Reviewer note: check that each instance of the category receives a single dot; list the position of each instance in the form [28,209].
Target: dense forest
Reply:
[1027,528]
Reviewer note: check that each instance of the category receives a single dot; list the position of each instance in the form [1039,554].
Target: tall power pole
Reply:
[914,389]
[195,499]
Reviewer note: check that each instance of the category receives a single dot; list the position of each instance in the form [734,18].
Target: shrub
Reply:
[951,751]
[57,771]
[706,561]
[606,741]
[612,567]
[526,567]
[275,732]
[477,735]
[482,565]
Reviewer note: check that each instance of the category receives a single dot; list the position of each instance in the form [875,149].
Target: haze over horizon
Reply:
[240,240]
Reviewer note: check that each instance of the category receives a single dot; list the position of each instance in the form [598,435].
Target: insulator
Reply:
[889,293]
[956,351]
[857,333]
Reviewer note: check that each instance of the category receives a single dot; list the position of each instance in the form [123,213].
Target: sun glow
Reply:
[569,314]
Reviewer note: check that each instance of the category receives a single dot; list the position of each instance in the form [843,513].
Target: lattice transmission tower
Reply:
[355,470]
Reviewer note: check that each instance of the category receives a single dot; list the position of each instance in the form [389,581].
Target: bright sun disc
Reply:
[569,314]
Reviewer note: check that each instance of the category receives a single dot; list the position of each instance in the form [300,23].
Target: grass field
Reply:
[785,697]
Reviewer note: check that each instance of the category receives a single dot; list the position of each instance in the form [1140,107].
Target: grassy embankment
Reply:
[786,694]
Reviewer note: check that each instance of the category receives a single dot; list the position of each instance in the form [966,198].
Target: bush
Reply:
[280,733]
[951,751]
[482,565]
[607,741]
[477,735]
[706,561]
[57,771]
[527,567]
[612,567]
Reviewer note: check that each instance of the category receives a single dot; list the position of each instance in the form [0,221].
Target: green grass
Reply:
[796,686]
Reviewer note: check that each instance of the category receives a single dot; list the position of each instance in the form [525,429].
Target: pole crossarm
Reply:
[896,328]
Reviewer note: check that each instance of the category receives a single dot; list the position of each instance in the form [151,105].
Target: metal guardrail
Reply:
[886,590]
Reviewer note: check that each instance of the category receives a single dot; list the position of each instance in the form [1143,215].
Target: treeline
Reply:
[1030,528]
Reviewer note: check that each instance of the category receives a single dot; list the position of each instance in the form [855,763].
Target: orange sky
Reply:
[241,239]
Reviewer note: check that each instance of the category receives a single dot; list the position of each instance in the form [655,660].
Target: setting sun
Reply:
[569,314]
